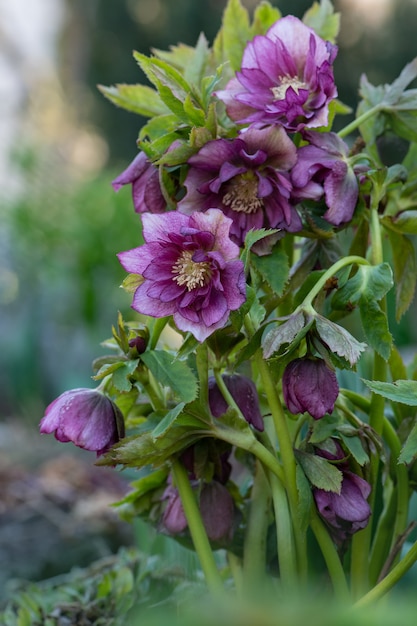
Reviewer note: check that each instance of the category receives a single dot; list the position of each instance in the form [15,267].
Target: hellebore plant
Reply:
[257,423]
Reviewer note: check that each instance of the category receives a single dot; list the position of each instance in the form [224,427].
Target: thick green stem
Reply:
[287,456]
[285,539]
[196,528]
[361,543]
[349,128]
[254,559]
[156,329]
[348,260]
[334,565]
[391,579]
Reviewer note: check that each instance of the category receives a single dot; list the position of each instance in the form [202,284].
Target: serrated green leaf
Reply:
[409,450]
[339,340]
[320,473]
[252,237]
[120,378]
[167,421]
[161,73]
[139,99]
[292,330]
[370,281]
[375,327]
[323,20]
[405,272]
[195,115]
[233,36]
[264,16]
[274,268]
[356,449]
[404,391]
[139,451]
[159,126]
[305,499]
[171,373]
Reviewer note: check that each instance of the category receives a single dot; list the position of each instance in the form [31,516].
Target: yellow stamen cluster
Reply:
[242,194]
[280,90]
[189,273]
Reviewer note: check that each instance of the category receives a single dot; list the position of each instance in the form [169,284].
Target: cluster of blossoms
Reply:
[262,170]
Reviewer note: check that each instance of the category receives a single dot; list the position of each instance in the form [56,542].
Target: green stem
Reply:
[361,543]
[285,538]
[334,565]
[248,442]
[348,260]
[254,567]
[402,482]
[196,528]
[156,329]
[349,128]
[391,579]
[287,455]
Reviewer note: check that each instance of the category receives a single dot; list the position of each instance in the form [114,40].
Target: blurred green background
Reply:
[62,144]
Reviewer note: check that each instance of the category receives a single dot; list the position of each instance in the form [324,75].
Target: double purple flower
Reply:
[247,178]
[190,270]
[286,78]
[323,169]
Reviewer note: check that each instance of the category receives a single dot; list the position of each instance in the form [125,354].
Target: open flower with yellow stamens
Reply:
[286,78]
[190,270]
[247,178]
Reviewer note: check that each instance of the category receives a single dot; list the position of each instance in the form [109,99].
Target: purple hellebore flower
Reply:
[86,417]
[347,512]
[323,168]
[146,190]
[247,178]
[286,78]
[244,393]
[190,269]
[216,507]
[309,385]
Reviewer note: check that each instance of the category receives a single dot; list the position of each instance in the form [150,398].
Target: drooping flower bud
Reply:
[347,512]
[86,417]
[216,507]
[309,385]
[244,393]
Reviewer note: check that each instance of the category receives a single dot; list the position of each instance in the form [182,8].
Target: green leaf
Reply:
[305,499]
[375,327]
[409,450]
[161,73]
[292,330]
[405,272]
[233,36]
[320,473]
[371,281]
[339,340]
[139,99]
[251,238]
[404,222]
[355,447]
[167,421]
[273,268]
[264,16]
[121,377]
[404,391]
[323,20]
[172,373]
